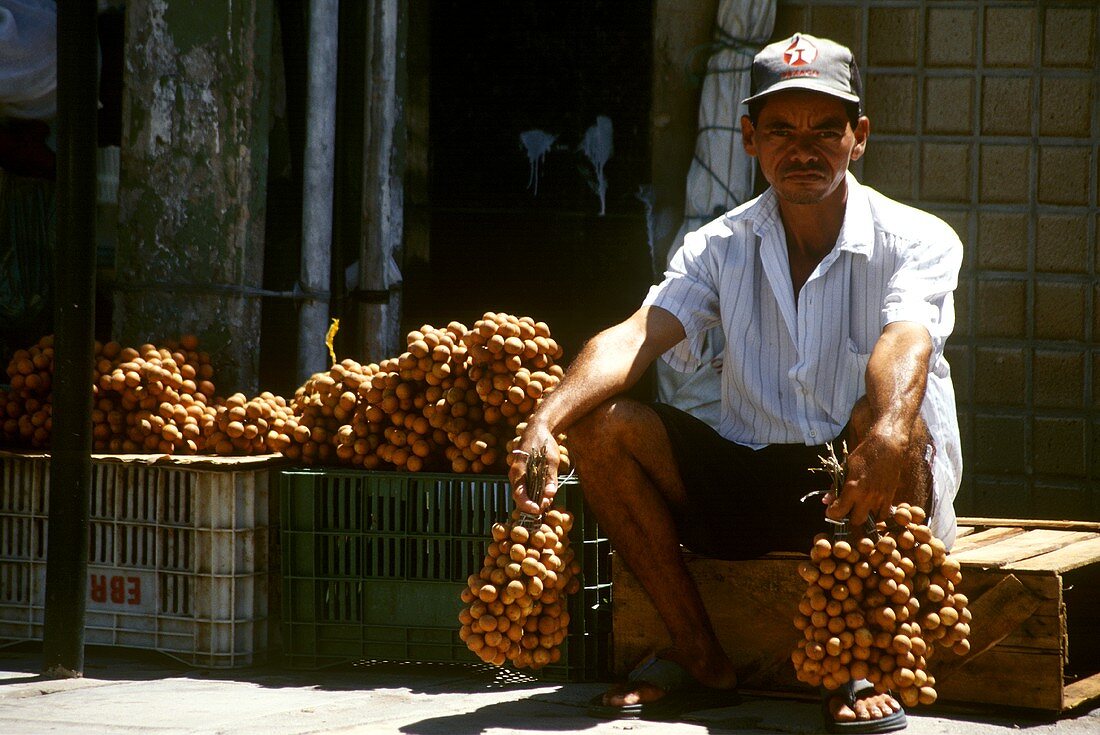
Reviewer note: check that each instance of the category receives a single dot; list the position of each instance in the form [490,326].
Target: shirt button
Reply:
[813,433]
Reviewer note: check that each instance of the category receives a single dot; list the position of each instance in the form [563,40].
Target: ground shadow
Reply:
[540,704]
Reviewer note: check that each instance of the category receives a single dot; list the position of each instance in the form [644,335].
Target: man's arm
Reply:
[608,364]
[897,375]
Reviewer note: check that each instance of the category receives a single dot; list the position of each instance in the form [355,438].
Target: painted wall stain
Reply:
[537,144]
[598,145]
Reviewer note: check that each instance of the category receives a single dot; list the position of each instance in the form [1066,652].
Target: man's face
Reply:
[804,142]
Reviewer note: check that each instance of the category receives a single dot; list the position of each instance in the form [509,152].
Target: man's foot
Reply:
[857,708]
[669,671]
[874,707]
[663,689]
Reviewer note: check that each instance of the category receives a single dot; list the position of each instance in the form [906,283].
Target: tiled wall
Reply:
[988,114]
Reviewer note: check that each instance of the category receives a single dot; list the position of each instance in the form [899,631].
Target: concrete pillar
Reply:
[193,179]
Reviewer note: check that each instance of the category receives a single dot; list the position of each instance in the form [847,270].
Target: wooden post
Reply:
[679,26]
[193,179]
[74,316]
[379,324]
[316,260]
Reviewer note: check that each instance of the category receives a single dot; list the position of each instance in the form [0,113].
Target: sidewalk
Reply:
[136,692]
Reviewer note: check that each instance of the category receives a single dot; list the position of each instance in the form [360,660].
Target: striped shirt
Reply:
[793,370]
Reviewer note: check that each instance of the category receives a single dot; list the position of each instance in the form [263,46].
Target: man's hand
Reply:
[873,477]
[535,436]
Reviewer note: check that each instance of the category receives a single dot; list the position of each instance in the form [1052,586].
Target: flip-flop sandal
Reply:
[852,692]
[683,694]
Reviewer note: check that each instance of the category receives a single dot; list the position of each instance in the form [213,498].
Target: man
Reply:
[836,303]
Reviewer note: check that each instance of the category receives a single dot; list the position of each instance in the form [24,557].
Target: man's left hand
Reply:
[872,479]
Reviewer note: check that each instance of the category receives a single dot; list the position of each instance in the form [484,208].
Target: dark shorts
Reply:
[744,502]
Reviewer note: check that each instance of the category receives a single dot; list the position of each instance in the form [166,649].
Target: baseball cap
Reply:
[806,62]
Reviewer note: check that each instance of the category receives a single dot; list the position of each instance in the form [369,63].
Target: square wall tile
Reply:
[1002,241]
[892,103]
[1060,310]
[1064,174]
[1003,374]
[1059,445]
[1006,106]
[1069,37]
[843,24]
[1001,309]
[1064,502]
[1000,444]
[1007,498]
[951,37]
[888,167]
[1062,244]
[1065,107]
[945,172]
[1004,174]
[892,37]
[1058,379]
[1009,36]
[948,105]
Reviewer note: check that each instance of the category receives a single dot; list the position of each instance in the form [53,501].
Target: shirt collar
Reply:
[857,233]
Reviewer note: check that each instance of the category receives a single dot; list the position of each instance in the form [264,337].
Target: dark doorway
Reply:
[496,70]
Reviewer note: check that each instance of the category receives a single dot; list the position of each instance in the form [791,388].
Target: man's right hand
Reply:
[535,436]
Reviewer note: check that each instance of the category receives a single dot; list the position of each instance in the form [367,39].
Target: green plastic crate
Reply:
[373,563]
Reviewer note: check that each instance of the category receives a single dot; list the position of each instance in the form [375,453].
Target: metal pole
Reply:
[74,318]
[316,264]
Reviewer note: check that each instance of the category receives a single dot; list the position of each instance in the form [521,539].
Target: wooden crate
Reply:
[1030,584]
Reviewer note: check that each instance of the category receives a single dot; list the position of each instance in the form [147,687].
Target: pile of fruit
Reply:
[26,409]
[876,609]
[516,605]
[453,401]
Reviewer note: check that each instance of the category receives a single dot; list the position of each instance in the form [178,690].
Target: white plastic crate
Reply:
[178,557]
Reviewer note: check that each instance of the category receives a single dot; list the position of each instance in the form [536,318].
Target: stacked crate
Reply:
[373,564]
[178,556]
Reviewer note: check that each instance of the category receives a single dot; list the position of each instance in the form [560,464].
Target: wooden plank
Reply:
[1020,546]
[984,538]
[961,531]
[1038,631]
[1081,691]
[1008,677]
[997,613]
[1029,524]
[757,632]
[1078,554]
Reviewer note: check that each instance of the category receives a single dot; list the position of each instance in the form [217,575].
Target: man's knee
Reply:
[603,427]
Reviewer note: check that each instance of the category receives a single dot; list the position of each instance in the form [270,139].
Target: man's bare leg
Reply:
[631,480]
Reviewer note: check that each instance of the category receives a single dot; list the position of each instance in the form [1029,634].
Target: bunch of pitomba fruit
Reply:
[451,401]
[516,605]
[455,400]
[25,409]
[877,606]
[148,399]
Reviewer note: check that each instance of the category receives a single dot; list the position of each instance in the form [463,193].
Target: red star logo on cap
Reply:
[800,53]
